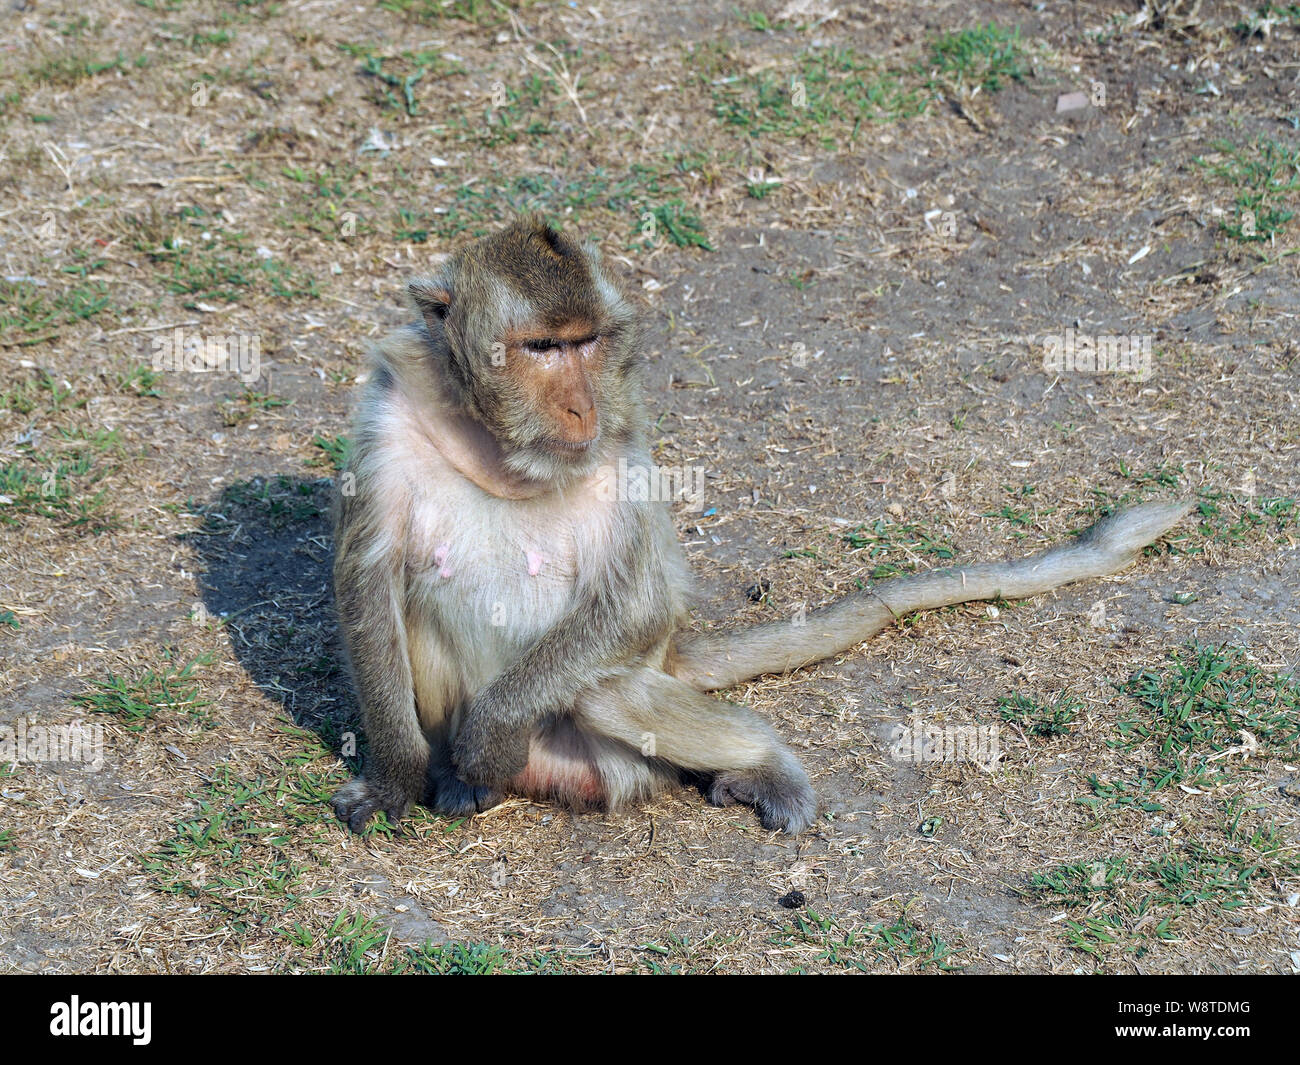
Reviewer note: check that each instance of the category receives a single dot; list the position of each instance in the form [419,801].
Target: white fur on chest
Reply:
[507,560]
[492,575]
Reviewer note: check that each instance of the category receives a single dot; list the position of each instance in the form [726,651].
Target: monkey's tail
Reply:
[716,660]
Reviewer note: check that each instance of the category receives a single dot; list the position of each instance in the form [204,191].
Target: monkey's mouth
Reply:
[574,447]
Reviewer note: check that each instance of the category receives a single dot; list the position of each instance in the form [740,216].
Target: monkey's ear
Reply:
[432,299]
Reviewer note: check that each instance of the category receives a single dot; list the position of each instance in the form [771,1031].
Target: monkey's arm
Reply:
[368,593]
[619,610]
[712,661]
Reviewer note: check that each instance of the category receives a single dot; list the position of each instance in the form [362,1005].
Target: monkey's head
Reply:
[542,344]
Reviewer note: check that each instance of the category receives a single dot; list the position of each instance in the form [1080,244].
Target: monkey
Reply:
[516,625]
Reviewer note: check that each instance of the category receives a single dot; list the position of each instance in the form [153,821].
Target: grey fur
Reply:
[511,628]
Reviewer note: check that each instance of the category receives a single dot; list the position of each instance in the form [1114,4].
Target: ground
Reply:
[856,231]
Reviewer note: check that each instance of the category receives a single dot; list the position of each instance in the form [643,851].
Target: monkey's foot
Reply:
[783,799]
[455,798]
[359,800]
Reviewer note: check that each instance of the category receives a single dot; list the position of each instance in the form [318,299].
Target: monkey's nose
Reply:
[580,422]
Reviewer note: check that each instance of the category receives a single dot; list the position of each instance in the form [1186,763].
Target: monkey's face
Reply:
[553,394]
[555,373]
[544,344]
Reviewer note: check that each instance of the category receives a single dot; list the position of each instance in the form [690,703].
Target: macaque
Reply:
[513,626]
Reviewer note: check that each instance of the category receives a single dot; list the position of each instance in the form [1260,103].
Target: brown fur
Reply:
[512,624]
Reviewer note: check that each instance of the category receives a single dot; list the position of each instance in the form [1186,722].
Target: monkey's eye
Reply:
[542,344]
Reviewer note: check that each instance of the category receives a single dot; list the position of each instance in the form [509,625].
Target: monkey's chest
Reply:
[491,576]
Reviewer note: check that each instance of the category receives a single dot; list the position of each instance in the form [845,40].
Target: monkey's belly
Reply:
[489,586]
[561,767]
[545,779]
[483,623]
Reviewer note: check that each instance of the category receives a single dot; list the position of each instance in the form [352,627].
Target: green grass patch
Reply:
[84,263]
[828,95]
[476,959]
[333,202]
[355,945]
[335,449]
[394,78]
[1265,17]
[351,946]
[515,111]
[238,854]
[43,391]
[140,381]
[70,68]
[138,699]
[1203,701]
[482,13]
[674,222]
[1038,718]
[587,202]
[1231,518]
[897,547]
[251,854]
[1016,514]
[1222,516]
[1265,175]
[62,488]
[1080,882]
[988,56]
[1119,906]
[677,955]
[30,313]
[236,409]
[863,947]
[201,260]
[197,41]
[9,102]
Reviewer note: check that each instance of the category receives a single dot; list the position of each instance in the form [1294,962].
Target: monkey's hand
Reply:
[359,800]
[488,749]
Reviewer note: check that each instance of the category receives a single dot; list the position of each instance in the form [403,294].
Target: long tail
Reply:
[720,659]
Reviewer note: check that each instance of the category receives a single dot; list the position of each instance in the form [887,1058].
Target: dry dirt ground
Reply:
[855,230]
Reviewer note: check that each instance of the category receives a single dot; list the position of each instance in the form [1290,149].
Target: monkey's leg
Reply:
[619,610]
[398,755]
[439,697]
[667,719]
[449,795]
